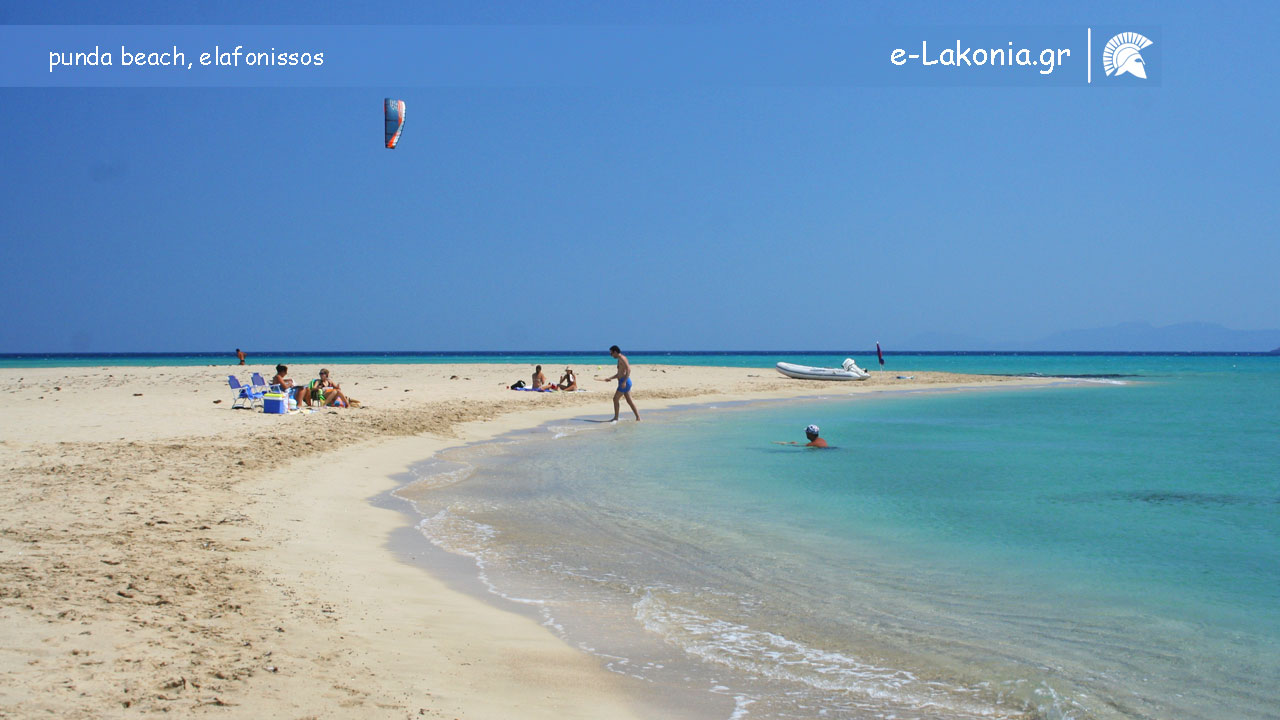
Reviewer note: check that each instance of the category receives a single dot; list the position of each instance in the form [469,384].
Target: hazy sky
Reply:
[653,215]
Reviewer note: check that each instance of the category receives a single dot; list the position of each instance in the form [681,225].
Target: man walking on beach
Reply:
[623,376]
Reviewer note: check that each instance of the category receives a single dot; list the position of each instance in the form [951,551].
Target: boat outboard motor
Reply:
[850,365]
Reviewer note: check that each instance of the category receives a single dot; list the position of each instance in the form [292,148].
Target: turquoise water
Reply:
[1105,549]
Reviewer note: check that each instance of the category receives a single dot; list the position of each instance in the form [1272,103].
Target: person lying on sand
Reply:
[810,432]
[568,381]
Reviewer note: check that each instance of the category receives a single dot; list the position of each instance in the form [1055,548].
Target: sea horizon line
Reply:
[643,353]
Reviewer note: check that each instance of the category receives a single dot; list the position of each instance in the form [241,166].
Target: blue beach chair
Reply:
[259,385]
[244,394]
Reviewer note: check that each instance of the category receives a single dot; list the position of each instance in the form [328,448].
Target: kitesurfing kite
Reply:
[393,110]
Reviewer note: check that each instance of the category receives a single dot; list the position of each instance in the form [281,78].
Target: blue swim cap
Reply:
[811,430]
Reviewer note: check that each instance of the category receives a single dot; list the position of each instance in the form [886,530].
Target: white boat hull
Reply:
[806,372]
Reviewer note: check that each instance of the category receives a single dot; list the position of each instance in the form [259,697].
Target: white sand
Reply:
[162,554]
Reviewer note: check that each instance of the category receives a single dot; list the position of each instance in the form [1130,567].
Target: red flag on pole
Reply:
[880,355]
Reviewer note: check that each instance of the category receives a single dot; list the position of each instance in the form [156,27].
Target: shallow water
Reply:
[1097,550]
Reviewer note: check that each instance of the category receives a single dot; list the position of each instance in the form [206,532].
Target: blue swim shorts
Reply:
[624,385]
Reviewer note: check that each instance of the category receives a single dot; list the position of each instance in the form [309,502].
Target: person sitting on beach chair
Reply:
[283,383]
[281,379]
[326,392]
[568,381]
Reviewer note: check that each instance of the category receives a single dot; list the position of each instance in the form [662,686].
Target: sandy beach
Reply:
[165,554]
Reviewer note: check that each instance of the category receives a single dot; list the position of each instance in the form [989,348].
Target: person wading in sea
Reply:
[623,376]
[810,432]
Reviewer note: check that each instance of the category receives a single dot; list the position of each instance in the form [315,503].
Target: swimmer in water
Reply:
[810,432]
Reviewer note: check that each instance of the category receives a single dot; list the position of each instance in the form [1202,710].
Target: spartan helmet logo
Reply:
[1123,54]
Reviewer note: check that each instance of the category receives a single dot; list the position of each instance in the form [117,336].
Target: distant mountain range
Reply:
[1125,337]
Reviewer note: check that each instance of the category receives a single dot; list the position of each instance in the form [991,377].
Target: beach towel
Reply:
[529,389]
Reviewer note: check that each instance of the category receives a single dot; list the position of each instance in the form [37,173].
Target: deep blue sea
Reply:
[1102,548]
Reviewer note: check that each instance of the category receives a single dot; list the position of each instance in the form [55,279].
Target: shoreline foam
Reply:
[665,672]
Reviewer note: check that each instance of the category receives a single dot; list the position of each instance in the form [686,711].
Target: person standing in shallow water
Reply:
[623,376]
[240,354]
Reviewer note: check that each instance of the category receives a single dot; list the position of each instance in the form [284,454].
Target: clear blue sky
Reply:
[681,217]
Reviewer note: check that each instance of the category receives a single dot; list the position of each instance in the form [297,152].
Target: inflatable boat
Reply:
[849,370]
